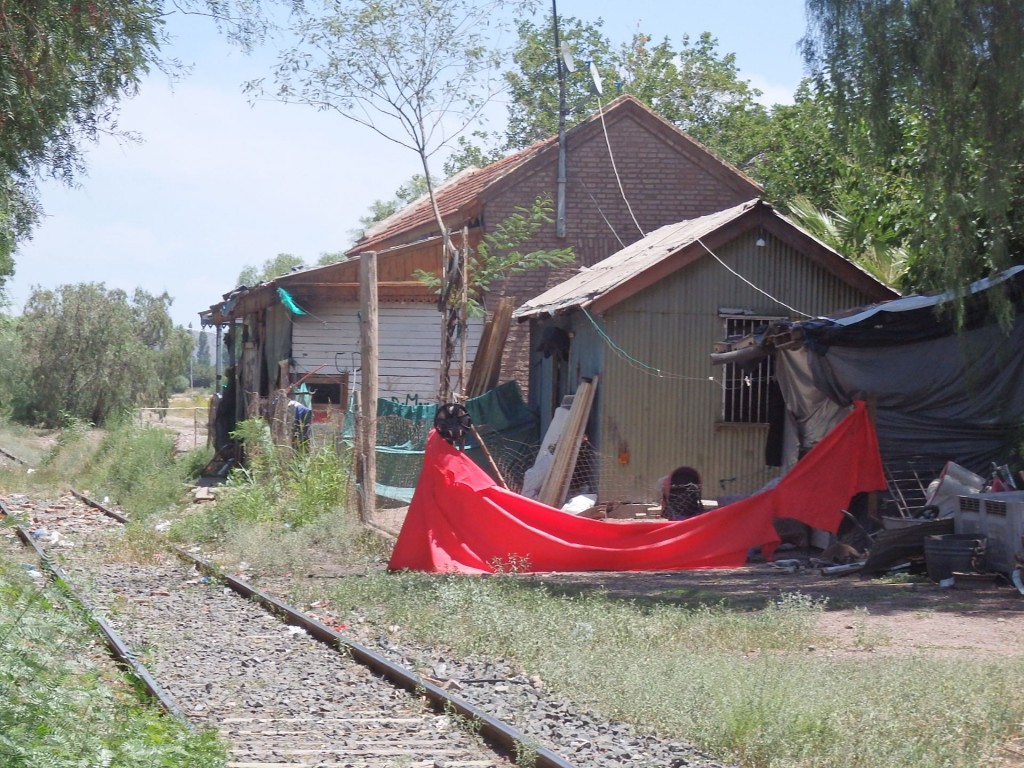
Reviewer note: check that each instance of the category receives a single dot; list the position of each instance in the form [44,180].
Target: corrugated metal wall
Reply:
[648,422]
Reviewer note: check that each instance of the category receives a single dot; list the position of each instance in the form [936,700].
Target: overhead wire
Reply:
[760,290]
[622,190]
[639,365]
[615,170]
[618,180]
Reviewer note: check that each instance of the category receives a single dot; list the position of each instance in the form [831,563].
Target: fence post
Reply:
[368,382]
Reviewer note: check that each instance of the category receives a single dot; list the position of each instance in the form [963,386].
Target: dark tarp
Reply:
[941,395]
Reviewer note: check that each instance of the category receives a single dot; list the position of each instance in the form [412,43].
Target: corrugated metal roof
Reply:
[592,282]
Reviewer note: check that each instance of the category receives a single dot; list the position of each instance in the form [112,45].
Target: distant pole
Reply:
[560,198]
[191,357]
[368,383]
[217,364]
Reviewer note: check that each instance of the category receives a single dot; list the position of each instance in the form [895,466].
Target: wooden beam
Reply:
[556,484]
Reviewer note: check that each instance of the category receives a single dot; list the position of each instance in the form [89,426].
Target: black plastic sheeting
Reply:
[940,393]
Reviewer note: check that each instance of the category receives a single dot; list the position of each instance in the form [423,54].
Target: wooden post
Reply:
[463,310]
[368,350]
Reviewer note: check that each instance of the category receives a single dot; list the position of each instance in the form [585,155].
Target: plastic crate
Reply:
[1000,518]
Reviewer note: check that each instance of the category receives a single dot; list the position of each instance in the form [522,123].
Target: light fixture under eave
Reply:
[760,243]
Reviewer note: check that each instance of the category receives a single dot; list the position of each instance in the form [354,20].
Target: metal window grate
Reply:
[747,388]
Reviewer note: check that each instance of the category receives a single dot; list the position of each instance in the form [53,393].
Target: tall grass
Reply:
[281,508]
[137,467]
[61,707]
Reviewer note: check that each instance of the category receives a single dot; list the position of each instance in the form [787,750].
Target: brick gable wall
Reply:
[662,183]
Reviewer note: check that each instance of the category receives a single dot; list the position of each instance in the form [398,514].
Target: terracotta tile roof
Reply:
[459,191]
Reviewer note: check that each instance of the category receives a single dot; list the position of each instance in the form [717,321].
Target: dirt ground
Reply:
[185,416]
[880,616]
[861,615]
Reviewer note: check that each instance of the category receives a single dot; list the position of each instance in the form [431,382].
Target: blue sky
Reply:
[217,184]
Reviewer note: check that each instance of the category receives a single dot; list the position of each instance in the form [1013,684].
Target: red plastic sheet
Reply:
[461,521]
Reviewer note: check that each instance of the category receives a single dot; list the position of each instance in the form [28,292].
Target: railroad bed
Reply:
[283,699]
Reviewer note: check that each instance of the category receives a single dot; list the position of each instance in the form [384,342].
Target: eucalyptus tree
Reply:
[938,87]
[694,86]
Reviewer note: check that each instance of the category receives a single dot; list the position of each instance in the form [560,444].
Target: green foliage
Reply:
[467,154]
[802,154]
[414,71]
[135,465]
[65,67]
[499,256]
[91,353]
[938,86]
[327,258]
[693,86]
[202,349]
[281,264]
[407,193]
[863,239]
[61,709]
[283,489]
[417,72]
[533,85]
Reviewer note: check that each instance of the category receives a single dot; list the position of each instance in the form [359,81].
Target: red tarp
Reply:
[461,521]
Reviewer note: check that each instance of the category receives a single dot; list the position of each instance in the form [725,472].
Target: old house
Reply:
[642,323]
[627,171]
[305,327]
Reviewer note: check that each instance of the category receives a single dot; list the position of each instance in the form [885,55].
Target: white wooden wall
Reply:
[409,346]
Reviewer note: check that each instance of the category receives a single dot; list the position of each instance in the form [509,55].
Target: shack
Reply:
[640,323]
[626,168]
[305,327]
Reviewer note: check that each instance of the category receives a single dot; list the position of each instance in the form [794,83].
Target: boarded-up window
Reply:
[746,391]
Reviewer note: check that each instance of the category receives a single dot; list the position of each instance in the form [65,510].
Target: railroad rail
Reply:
[270,678]
[281,685]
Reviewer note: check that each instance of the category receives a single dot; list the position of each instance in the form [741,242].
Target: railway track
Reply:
[288,689]
[283,689]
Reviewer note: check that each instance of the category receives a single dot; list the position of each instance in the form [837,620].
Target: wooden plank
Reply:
[567,451]
[487,364]
[368,347]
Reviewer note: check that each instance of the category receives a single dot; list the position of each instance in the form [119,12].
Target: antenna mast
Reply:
[560,198]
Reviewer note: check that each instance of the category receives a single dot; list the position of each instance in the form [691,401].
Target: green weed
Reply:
[62,709]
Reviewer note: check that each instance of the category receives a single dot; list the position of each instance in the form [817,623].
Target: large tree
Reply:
[936,87]
[64,69]
[91,353]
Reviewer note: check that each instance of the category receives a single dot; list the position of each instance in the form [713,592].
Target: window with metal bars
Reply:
[746,389]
